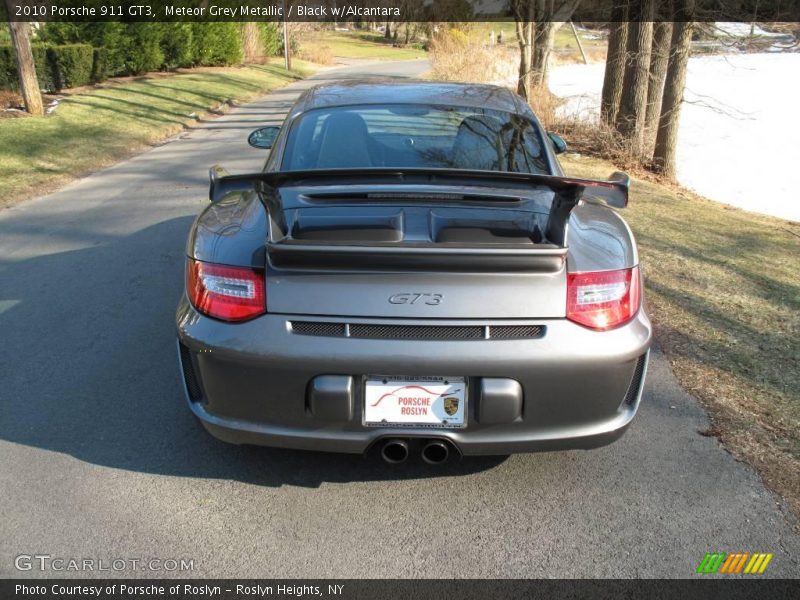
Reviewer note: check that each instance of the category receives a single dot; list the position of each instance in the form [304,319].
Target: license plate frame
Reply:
[431,402]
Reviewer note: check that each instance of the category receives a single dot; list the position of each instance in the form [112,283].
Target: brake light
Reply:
[604,299]
[223,292]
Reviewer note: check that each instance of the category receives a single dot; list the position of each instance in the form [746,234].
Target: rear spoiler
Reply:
[569,191]
[613,192]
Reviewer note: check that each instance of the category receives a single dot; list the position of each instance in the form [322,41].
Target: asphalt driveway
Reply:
[99,457]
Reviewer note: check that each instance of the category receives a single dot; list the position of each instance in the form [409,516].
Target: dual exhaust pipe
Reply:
[434,452]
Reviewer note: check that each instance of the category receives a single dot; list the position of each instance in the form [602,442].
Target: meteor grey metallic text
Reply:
[412,272]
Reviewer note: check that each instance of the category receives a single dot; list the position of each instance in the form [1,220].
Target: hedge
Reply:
[271,38]
[216,44]
[57,67]
[71,65]
[100,66]
[8,68]
[75,54]
[177,45]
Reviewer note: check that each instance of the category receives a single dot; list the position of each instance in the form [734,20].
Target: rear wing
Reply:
[568,192]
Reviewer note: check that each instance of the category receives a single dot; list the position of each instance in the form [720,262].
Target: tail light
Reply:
[223,292]
[604,299]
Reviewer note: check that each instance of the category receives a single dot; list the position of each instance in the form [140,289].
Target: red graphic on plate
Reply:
[413,387]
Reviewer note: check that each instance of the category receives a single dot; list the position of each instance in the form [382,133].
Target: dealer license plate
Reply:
[422,401]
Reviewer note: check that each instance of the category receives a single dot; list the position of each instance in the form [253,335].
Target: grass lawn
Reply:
[356,44]
[723,291]
[96,127]
[565,46]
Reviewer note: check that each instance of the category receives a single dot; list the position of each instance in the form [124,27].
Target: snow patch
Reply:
[737,141]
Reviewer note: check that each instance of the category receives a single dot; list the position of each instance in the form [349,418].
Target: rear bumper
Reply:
[253,382]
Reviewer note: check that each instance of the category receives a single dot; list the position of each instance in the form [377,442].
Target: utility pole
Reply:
[28,83]
[287,58]
[578,39]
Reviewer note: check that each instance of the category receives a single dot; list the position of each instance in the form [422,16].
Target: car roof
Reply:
[470,95]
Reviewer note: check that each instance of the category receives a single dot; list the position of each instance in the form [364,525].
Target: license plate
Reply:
[421,401]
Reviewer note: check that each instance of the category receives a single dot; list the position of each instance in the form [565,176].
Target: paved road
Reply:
[99,457]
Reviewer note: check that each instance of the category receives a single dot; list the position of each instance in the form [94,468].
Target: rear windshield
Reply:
[408,136]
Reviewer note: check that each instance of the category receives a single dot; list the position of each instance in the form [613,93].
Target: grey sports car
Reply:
[412,272]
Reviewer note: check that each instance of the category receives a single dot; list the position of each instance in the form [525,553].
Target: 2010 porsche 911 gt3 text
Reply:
[413,271]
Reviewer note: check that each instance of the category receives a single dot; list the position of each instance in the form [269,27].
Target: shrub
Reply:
[44,69]
[176,45]
[142,48]
[216,44]
[593,138]
[294,44]
[71,65]
[58,32]
[100,66]
[322,55]
[271,39]
[109,35]
[455,58]
[8,69]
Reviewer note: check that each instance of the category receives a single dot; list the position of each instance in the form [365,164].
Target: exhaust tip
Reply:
[394,451]
[435,453]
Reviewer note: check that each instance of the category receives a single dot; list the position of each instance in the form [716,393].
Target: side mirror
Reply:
[559,145]
[264,137]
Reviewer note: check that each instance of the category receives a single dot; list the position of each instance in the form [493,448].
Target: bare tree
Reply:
[615,62]
[26,69]
[630,118]
[550,17]
[662,37]
[524,12]
[667,137]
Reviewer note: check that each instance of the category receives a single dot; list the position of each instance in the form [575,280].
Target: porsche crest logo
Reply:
[451,405]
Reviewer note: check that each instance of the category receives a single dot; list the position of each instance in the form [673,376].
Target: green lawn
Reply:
[723,291]
[97,127]
[371,46]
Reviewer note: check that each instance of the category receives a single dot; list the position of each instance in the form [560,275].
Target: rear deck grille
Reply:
[381,331]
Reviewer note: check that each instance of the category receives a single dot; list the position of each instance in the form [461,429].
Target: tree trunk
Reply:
[524,12]
[525,39]
[667,137]
[251,43]
[28,83]
[550,16]
[615,62]
[388,33]
[630,117]
[542,47]
[662,37]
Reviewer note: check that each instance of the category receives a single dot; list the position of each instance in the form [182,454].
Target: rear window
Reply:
[408,136]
